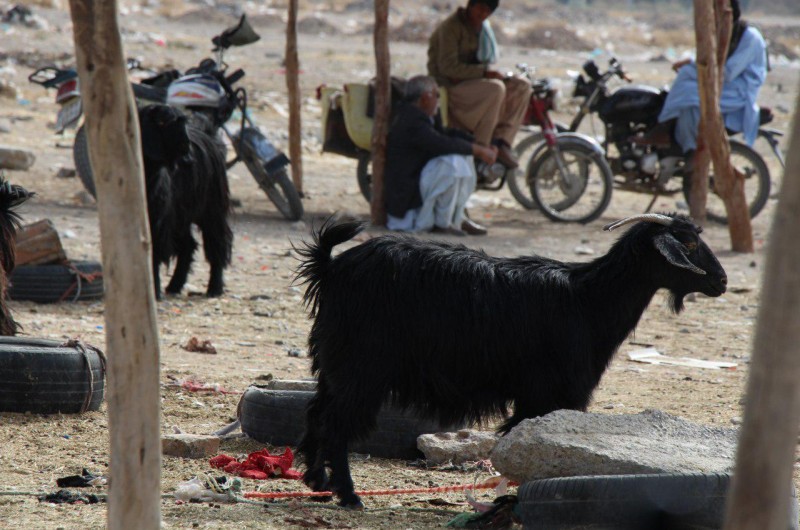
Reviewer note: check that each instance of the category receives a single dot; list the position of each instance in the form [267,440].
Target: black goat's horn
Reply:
[647,217]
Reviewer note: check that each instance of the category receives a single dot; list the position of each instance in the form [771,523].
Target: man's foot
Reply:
[472,228]
[451,231]
[505,155]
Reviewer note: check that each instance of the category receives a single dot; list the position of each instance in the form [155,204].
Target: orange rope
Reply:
[368,493]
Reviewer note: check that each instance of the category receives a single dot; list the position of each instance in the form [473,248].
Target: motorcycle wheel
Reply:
[517,184]
[278,186]
[364,175]
[83,165]
[580,201]
[756,183]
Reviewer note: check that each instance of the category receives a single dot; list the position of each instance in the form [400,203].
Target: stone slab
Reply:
[570,443]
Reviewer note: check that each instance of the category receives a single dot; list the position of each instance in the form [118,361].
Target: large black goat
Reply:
[11,196]
[187,184]
[459,335]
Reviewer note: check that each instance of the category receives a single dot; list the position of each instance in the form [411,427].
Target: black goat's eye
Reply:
[690,246]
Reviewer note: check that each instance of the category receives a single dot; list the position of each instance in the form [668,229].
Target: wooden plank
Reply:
[39,244]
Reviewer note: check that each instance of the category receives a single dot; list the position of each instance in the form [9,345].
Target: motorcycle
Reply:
[207,94]
[639,165]
[346,131]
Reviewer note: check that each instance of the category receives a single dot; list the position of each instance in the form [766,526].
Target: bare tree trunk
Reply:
[131,330]
[728,183]
[293,86]
[383,97]
[760,494]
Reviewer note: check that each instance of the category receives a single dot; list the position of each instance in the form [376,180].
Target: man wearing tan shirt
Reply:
[482,101]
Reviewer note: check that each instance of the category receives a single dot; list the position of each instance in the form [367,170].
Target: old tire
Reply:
[83,165]
[277,417]
[692,501]
[364,174]
[79,280]
[46,376]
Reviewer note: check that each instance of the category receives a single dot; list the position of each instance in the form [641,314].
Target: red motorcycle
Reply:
[573,180]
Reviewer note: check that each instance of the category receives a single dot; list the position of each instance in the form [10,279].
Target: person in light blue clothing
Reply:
[745,71]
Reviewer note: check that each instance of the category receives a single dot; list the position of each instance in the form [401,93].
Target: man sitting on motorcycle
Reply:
[485,102]
[430,172]
[745,72]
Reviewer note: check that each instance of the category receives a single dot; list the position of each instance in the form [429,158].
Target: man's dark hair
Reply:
[491,4]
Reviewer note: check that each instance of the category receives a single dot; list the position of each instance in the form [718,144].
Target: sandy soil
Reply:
[261,318]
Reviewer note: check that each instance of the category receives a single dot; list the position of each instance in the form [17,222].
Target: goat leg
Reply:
[315,476]
[186,246]
[217,243]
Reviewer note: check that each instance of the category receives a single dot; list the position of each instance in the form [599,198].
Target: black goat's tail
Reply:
[316,256]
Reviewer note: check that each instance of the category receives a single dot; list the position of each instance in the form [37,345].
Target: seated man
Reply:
[745,72]
[430,172]
[483,101]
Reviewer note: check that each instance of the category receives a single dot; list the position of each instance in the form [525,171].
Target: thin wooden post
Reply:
[760,494]
[130,316]
[383,98]
[728,183]
[293,87]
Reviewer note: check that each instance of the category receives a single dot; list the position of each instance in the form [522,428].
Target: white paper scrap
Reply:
[653,356]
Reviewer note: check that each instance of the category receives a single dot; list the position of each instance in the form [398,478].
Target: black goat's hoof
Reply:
[352,502]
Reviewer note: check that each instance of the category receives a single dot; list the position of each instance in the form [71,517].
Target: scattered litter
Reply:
[295,352]
[196,345]
[583,250]
[259,465]
[208,489]
[653,356]
[84,480]
[195,385]
[69,497]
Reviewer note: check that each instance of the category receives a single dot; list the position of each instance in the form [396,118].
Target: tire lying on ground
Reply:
[47,376]
[278,417]
[77,280]
[692,501]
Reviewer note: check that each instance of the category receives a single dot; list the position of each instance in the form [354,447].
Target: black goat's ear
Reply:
[672,250]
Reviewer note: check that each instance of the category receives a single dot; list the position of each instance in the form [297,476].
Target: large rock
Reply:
[465,445]
[570,443]
[15,158]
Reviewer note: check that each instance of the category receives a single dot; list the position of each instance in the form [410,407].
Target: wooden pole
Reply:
[760,494]
[728,184]
[293,86]
[383,97]
[131,330]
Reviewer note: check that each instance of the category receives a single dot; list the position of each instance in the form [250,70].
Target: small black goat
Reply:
[11,196]
[187,184]
[458,335]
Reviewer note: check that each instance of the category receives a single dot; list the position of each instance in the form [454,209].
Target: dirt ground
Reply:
[261,318]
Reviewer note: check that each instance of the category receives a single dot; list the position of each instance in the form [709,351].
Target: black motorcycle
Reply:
[630,113]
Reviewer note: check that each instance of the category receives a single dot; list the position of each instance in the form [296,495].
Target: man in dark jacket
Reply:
[430,172]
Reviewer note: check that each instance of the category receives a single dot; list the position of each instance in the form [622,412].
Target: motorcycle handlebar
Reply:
[235,76]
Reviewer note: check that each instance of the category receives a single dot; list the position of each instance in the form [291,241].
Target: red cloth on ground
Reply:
[259,465]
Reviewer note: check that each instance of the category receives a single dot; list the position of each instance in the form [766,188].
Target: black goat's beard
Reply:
[676,301]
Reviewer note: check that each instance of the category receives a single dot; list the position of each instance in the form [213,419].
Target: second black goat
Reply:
[187,183]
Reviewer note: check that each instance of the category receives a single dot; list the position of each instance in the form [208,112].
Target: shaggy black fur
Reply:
[11,196]
[459,335]
[187,184]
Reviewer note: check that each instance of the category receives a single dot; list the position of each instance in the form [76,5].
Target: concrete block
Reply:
[189,445]
[466,445]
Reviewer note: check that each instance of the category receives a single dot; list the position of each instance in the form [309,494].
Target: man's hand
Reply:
[492,74]
[677,65]
[487,154]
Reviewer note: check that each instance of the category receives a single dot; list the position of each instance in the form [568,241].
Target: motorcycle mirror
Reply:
[238,35]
